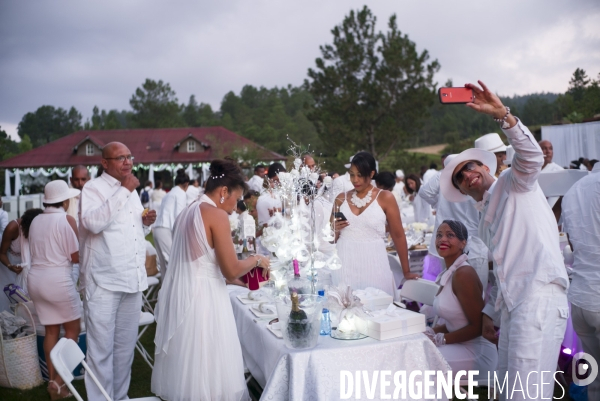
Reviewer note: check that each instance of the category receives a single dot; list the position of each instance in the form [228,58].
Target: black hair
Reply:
[194,180]
[148,183]
[225,173]
[417,181]
[258,167]
[250,194]
[386,180]
[181,177]
[157,184]
[274,169]
[27,218]
[241,205]
[457,228]
[433,166]
[365,164]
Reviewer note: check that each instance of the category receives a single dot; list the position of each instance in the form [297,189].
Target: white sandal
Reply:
[56,395]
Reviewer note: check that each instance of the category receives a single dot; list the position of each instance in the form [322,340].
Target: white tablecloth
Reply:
[314,374]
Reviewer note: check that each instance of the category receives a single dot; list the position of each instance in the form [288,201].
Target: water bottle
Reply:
[325,320]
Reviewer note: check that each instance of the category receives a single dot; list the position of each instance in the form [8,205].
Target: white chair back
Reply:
[65,356]
[422,291]
[397,272]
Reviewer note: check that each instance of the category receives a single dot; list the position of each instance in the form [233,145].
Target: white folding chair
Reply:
[146,319]
[398,274]
[152,294]
[146,297]
[422,291]
[65,356]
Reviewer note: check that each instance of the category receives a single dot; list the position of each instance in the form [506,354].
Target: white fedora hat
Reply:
[449,191]
[57,191]
[510,153]
[448,159]
[491,143]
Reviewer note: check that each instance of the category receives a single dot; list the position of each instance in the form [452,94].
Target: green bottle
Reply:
[298,325]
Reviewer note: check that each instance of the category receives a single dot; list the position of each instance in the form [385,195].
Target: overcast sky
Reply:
[74,53]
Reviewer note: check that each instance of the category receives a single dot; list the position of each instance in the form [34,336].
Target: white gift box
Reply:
[373,298]
[390,323]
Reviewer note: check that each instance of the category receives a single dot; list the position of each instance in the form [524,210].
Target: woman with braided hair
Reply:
[460,303]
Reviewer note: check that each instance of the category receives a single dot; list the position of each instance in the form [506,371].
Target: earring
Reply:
[222,199]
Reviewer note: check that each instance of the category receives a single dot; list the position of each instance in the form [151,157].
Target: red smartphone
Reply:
[456,95]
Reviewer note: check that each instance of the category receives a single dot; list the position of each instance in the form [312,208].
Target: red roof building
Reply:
[148,146]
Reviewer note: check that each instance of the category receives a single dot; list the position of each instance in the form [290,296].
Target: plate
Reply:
[346,336]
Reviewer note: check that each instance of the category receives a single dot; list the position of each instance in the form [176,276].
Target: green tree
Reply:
[198,115]
[370,89]
[47,124]
[101,120]
[155,106]
[8,147]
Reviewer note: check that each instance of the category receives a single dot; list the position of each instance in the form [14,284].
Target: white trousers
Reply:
[111,319]
[530,339]
[163,241]
[587,326]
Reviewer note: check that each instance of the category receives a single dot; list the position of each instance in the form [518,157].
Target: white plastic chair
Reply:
[398,274]
[146,319]
[65,356]
[422,291]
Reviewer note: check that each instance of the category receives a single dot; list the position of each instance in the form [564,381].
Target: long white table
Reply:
[314,374]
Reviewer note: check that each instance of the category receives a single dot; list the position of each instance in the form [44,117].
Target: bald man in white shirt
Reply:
[113,273]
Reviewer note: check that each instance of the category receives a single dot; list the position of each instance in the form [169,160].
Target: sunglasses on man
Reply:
[460,176]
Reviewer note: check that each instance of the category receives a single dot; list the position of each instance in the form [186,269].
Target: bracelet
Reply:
[502,121]
[258,260]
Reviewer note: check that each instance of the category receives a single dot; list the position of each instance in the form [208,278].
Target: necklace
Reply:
[360,203]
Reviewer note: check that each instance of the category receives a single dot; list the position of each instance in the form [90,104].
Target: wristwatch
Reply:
[502,121]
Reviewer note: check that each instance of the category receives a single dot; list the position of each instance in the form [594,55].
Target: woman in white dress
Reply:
[460,303]
[170,207]
[360,238]
[14,254]
[198,353]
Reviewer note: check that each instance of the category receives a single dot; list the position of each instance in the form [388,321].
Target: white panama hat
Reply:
[491,143]
[448,159]
[57,191]
[448,190]
[399,174]
[510,153]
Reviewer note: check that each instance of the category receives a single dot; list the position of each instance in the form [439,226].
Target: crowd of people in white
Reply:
[505,295]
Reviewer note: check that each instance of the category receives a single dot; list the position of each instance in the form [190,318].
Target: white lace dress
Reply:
[198,351]
[361,248]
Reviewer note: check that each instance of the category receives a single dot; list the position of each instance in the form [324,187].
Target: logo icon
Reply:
[584,369]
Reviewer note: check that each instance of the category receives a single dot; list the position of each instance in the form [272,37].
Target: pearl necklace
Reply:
[360,203]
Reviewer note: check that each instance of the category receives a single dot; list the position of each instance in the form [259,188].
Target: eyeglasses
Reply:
[459,177]
[120,159]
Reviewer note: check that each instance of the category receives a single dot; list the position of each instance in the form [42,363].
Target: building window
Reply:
[191,146]
[89,149]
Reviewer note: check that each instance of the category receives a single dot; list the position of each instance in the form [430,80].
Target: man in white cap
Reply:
[493,143]
[519,228]
[464,212]
[342,183]
[581,215]
[398,190]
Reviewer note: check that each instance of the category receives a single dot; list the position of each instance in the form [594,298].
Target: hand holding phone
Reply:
[456,95]
[340,216]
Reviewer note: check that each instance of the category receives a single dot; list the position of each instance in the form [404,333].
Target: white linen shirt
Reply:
[170,207]
[112,240]
[265,202]
[519,227]
[341,184]
[581,214]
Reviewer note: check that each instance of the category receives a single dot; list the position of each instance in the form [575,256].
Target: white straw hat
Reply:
[510,153]
[57,191]
[448,159]
[491,143]
[448,190]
